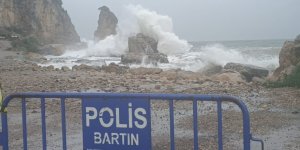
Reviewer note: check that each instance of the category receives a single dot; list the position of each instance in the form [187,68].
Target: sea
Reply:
[182,54]
[262,53]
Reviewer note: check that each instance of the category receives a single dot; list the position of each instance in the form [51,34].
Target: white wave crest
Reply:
[159,27]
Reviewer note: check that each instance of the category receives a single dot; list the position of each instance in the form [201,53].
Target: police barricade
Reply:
[119,121]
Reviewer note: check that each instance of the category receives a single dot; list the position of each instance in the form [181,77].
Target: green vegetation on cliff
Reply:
[29,44]
[292,80]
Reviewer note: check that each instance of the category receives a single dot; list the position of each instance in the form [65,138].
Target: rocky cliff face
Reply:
[107,24]
[289,58]
[43,19]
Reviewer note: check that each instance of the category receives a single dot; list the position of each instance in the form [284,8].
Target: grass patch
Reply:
[292,80]
[29,44]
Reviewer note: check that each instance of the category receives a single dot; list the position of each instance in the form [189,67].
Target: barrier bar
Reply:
[63,123]
[44,124]
[149,101]
[24,123]
[4,133]
[172,137]
[220,132]
[195,118]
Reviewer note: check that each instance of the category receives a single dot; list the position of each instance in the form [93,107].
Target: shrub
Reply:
[30,44]
[292,80]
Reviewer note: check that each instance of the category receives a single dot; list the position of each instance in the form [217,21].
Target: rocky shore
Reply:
[272,110]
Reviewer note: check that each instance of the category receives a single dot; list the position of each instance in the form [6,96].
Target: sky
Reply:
[203,20]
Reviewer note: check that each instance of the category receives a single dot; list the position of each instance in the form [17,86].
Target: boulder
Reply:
[248,71]
[211,69]
[107,24]
[228,76]
[65,68]
[143,49]
[289,58]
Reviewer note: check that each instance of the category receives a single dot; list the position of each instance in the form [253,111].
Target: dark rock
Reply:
[50,68]
[248,71]
[53,49]
[211,69]
[65,68]
[107,24]
[143,49]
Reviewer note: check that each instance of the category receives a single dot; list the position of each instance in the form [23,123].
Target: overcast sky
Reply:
[203,20]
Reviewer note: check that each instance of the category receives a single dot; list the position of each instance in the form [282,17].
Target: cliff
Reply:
[46,20]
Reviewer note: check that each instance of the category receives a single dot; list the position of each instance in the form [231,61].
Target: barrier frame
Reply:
[247,136]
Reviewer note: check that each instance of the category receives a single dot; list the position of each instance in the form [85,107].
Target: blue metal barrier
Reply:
[138,115]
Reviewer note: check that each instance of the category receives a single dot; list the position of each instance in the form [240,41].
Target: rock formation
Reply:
[211,69]
[107,24]
[44,19]
[143,48]
[297,40]
[289,58]
[248,71]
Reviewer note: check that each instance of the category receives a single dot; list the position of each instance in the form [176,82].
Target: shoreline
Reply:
[271,109]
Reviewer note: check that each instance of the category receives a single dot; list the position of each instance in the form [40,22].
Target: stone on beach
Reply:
[248,71]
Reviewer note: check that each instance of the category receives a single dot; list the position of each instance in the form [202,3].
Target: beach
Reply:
[274,112]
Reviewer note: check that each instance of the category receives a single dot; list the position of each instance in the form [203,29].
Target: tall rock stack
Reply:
[107,24]
[289,59]
[43,19]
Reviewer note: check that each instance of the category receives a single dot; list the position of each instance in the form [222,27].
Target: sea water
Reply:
[182,54]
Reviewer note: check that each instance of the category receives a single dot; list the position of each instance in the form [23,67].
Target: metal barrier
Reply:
[104,112]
